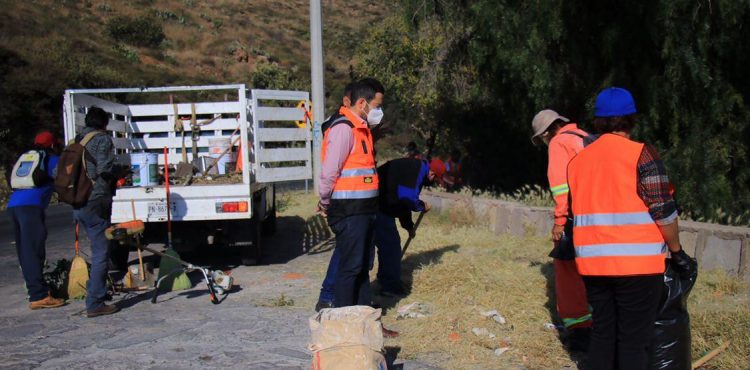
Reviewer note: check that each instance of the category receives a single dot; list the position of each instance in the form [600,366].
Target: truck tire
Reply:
[269,224]
[252,252]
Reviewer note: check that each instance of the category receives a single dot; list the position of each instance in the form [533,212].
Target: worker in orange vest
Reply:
[349,192]
[564,140]
[625,220]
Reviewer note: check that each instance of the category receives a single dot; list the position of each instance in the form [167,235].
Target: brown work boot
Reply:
[106,309]
[46,302]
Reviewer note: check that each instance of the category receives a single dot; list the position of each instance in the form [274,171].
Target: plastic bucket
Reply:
[145,168]
[215,148]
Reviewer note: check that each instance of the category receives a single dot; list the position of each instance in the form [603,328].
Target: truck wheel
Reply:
[269,224]
[251,253]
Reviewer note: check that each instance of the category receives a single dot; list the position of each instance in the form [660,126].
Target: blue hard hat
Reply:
[613,102]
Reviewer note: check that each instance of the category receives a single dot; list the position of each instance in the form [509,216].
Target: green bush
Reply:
[127,52]
[139,31]
[273,76]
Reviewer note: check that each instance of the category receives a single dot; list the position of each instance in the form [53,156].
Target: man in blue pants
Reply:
[94,217]
[401,180]
[26,208]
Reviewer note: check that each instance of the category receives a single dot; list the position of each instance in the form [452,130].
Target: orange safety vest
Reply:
[357,185]
[613,233]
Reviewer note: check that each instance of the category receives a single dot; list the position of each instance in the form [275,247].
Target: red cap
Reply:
[44,139]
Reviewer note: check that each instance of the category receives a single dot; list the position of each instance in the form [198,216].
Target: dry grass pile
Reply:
[464,270]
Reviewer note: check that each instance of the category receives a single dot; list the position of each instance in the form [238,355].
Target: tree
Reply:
[477,71]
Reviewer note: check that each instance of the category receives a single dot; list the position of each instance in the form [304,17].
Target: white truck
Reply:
[271,140]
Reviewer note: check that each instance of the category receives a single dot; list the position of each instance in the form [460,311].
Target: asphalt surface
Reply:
[262,324]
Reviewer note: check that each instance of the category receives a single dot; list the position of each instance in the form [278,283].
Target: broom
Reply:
[78,275]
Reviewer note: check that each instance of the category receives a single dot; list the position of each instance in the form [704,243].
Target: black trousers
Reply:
[354,244]
[624,310]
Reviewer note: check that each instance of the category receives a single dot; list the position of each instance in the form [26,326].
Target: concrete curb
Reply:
[715,246]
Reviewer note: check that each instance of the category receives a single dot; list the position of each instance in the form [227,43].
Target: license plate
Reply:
[158,209]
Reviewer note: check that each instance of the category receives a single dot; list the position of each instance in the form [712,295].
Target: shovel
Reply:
[78,275]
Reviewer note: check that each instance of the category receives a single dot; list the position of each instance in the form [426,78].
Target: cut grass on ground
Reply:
[462,270]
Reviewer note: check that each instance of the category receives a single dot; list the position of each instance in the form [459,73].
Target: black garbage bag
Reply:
[671,343]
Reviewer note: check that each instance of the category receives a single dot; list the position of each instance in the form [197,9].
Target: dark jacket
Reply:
[401,180]
[101,148]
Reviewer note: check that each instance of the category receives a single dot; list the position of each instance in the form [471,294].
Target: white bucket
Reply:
[145,168]
[218,146]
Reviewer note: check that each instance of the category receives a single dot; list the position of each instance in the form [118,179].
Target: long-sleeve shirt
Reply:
[562,148]
[654,187]
[101,149]
[401,181]
[38,196]
[340,142]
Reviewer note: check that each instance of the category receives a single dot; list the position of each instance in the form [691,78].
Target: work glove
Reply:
[683,265]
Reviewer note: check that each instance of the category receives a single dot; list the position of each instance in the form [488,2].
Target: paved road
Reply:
[249,330]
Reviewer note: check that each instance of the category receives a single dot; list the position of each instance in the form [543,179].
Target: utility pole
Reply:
[318,95]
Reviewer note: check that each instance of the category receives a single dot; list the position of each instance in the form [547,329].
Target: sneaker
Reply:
[46,302]
[106,309]
[323,304]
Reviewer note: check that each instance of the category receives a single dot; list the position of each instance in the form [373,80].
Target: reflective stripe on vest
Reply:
[358,172]
[354,194]
[636,249]
[614,219]
[613,233]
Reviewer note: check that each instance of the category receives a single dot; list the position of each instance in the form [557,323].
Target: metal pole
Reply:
[318,96]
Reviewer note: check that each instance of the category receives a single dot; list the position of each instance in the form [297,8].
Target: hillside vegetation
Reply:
[48,46]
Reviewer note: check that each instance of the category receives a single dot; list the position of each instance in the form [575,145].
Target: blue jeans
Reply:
[389,253]
[327,293]
[354,245]
[31,236]
[94,218]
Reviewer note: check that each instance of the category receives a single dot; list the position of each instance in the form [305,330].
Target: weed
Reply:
[284,201]
[126,52]
[140,31]
[104,8]
[170,16]
[56,277]
[281,301]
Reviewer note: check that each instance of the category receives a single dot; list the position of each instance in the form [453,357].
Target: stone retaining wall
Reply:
[715,246]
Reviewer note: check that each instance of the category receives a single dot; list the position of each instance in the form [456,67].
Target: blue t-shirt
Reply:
[39,196]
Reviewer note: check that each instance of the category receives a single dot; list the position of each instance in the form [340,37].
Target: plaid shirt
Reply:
[654,187]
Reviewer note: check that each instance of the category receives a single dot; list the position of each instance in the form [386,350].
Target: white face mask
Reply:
[374,117]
